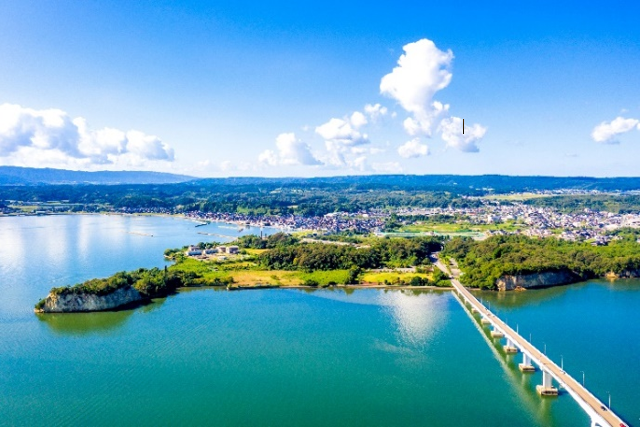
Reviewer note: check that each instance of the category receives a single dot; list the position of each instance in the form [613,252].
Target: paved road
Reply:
[571,385]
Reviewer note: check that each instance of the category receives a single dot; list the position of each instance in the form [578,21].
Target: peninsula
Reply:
[279,260]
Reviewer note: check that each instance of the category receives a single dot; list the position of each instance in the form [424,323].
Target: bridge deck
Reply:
[592,405]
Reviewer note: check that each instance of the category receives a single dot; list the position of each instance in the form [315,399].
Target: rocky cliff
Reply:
[624,274]
[76,302]
[537,280]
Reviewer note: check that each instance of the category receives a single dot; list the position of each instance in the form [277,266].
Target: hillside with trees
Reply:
[484,262]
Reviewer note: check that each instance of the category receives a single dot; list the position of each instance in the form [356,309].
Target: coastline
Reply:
[131,304]
[200,222]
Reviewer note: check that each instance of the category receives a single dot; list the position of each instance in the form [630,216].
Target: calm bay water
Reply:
[591,328]
[271,357]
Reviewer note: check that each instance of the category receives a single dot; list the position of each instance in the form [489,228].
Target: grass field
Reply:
[248,274]
[456,228]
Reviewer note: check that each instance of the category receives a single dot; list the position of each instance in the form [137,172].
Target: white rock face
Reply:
[88,302]
[537,280]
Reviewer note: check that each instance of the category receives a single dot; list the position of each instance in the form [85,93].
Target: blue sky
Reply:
[280,88]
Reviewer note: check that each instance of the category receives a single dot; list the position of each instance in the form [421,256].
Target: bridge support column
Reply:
[485,321]
[510,347]
[526,365]
[496,333]
[546,388]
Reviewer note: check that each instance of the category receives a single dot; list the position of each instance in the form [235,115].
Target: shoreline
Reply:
[354,286]
[132,305]
[199,222]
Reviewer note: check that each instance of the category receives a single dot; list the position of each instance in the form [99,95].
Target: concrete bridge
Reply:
[597,411]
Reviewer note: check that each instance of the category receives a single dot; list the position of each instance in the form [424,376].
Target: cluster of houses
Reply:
[197,251]
[362,221]
[517,217]
[533,221]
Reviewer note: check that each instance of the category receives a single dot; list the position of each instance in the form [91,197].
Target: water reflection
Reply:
[532,297]
[417,314]
[54,244]
[156,304]
[528,297]
[85,323]
[95,322]
[523,383]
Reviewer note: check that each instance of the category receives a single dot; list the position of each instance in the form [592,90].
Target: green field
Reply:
[248,274]
[458,227]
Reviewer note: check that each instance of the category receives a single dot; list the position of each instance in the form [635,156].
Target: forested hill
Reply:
[459,184]
[13,175]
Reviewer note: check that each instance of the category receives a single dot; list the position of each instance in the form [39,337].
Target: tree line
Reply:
[387,252]
[484,262]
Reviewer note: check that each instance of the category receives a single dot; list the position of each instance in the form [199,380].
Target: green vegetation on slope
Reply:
[387,252]
[483,262]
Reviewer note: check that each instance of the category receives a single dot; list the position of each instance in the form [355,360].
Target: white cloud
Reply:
[422,71]
[342,139]
[268,157]
[343,131]
[51,137]
[375,112]
[387,167]
[290,151]
[413,149]
[367,150]
[422,125]
[451,129]
[607,132]
[358,119]
[359,163]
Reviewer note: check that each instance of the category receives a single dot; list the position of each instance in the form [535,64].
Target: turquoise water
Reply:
[264,357]
[592,327]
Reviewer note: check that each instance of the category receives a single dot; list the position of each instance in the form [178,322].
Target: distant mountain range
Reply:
[460,184]
[13,175]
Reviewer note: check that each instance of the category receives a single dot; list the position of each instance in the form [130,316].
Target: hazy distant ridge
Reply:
[461,184]
[13,175]
[456,183]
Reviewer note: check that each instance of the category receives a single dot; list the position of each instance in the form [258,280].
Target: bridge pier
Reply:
[546,388]
[526,365]
[485,321]
[496,333]
[510,347]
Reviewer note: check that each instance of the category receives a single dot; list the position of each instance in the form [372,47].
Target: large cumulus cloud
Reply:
[51,137]
[422,71]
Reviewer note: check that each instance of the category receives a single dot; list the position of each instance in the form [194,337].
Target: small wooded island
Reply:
[282,260]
